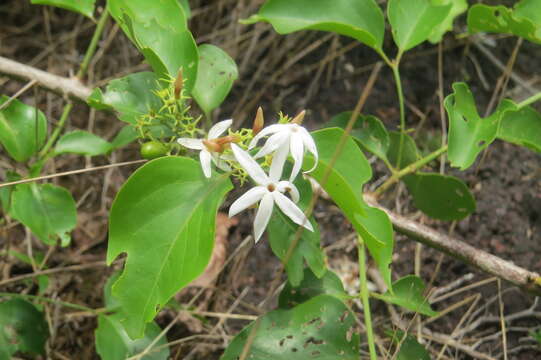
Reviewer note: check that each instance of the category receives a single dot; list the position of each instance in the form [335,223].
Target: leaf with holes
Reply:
[359,19]
[345,185]
[22,328]
[48,210]
[457,8]
[311,286]
[23,129]
[523,20]
[408,293]
[320,328]
[522,127]
[469,134]
[82,143]
[439,196]
[368,131]
[85,7]
[163,218]
[216,73]
[413,21]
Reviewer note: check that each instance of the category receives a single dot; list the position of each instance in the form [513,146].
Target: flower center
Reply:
[271,187]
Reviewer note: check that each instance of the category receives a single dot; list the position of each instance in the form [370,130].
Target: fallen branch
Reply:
[71,87]
[506,270]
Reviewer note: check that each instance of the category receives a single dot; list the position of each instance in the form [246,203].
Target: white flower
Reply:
[269,190]
[286,138]
[206,155]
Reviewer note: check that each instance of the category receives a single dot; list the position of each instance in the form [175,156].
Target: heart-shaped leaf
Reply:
[216,73]
[345,185]
[163,218]
[408,293]
[83,143]
[320,328]
[469,134]
[22,328]
[85,7]
[359,19]
[48,210]
[439,196]
[522,127]
[413,21]
[23,129]
[457,8]
[311,286]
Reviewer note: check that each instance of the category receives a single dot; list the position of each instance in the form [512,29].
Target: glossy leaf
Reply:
[125,136]
[161,34]
[522,127]
[368,131]
[524,20]
[186,7]
[410,349]
[345,185]
[131,96]
[48,210]
[23,129]
[457,7]
[408,293]
[216,73]
[82,143]
[319,328]
[439,196]
[469,134]
[163,218]
[85,7]
[413,21]
[22,328]
[359,19]
[410,153]
[311,286]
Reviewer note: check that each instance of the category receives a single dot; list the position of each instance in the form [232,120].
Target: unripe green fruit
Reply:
[153,149]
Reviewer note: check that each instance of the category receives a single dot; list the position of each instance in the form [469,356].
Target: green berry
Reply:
[153,149]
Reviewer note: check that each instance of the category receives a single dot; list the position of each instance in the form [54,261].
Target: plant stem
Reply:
[56,133]
[364,295]
[400,93]
[410,169]
[52,301]
[529,100]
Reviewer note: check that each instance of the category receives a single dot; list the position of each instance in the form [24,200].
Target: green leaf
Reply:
[368,131]
[320,328]
[439,196]
[216,73]
[408,293]
[6,191]
[410,153]
[457,7]
[186,7]
[125,136]
[112,341]
[522,127]
[469,134]
[413,21]
[131,96]
[83,143]
[85,7]
[311,286]
[22,328]
[536,336]
[23,129]
[161,34]
[48,210]
[345,185]
[410,349]
[163,218]
[524,20]
[282,231]
[359,19]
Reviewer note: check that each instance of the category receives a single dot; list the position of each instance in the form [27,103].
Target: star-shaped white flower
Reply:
[206,156]
[269,190]
[286,138]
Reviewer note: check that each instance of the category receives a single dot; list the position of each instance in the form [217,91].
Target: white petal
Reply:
[310,145]
[195,144]
[278,162]
[291,210]
[250,165]
[290,188]
[220,163]
[247,199]
[266,131]
[263,215]
[297,152]
[204,157]
[219,128]
[272,143]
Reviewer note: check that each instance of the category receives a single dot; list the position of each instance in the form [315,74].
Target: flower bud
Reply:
[213,146]
[259,122]
[179,83]
[299,118]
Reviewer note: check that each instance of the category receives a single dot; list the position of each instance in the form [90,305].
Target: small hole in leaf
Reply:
[316,353]
[459,192]
[281,343]
[481,143]
[343,316]
[294,349]
[289,336]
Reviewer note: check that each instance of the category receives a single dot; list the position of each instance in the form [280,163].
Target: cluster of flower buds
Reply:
[283,140]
